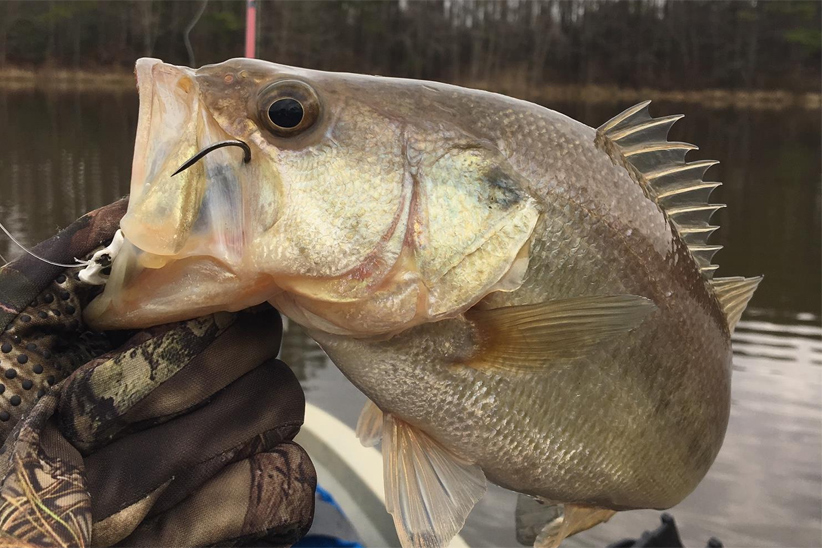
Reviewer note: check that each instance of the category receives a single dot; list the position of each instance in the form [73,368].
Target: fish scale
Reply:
[568,278]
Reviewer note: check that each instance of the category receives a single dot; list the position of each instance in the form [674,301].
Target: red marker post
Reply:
[251,28]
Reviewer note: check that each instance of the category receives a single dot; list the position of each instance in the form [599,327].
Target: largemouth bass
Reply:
[524,299]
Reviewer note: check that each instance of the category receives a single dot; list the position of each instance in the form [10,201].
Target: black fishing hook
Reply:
[230,143]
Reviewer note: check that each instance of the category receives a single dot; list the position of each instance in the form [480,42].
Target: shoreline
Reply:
[70,80]
[709,98]
[56,79]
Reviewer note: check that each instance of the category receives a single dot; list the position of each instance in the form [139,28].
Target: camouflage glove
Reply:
[181,436]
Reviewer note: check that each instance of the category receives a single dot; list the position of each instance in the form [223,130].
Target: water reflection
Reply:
[764,488]
[62,154]
[762,491]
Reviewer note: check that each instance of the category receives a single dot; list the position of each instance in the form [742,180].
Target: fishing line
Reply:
[190,26]
[36,256]
[193,160]
[230,143]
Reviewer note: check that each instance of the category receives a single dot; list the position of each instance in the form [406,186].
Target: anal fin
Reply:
[532,515]
[545,525]
[428,490]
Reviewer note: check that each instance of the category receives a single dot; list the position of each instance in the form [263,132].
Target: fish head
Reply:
[367,205]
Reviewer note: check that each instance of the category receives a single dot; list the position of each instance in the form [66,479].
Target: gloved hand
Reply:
[178,436]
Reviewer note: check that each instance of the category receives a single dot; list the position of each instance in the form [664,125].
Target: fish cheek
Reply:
[263,198]
[342,200]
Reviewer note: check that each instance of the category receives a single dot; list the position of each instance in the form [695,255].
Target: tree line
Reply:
[661,44]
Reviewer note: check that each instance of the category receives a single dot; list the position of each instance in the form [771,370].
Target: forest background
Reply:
[741,50]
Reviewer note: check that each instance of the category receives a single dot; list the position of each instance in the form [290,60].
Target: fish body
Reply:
[597,235]
[523,298]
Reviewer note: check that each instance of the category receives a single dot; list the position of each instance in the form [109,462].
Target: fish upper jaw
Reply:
[162,208]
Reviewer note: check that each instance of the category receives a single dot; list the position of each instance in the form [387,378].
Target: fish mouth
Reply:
[197,211]
[185,242]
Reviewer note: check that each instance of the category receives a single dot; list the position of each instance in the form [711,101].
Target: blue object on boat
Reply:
[325,496]
[321,541]
[331,529]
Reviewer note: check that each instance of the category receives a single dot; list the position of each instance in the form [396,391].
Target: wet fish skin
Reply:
[392,231]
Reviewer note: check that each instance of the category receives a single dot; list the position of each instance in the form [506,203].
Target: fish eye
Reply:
[288,107]
[286,113]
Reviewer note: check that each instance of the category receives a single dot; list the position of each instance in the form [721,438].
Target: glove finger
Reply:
[189,480]
[163,372]
[270,495]
[43,494]
[43,336]
[23,279]
[268,400]
[114,528]
[42,345]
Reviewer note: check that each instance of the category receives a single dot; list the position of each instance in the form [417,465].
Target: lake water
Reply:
[62,154]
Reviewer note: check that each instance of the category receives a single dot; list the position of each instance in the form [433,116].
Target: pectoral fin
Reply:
[428,490]
[527,337]
[545,525]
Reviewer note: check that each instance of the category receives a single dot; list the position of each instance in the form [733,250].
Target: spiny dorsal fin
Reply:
[733,295]
[640,143]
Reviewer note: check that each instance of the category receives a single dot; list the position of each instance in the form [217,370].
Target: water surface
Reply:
[62,154]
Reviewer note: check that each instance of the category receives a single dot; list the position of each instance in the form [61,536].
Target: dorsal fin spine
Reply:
[693,215]
[645,126]
[622,118]
[696,192]
[646,157]
[704,253]
[654,129]
[656,147]
[639,142]
[700,167]
[708,271]
[697,235]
